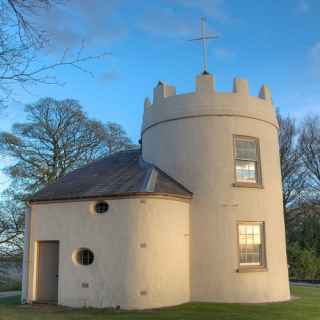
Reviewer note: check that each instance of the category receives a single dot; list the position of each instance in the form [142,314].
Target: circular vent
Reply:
[101,207]
[84,256]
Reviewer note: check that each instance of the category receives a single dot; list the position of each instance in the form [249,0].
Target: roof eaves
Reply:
[113,196]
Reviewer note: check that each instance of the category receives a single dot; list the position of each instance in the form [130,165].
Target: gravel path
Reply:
[305,284]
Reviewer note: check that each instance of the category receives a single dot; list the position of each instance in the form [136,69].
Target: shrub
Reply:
[303,263]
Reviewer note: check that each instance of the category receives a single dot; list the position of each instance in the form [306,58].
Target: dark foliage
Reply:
[300,165]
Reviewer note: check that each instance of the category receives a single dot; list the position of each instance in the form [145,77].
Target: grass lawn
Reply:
[306,307]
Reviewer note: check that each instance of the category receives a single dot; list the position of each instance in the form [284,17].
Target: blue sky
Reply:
[277,43]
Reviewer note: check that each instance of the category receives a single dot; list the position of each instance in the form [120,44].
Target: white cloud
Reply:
[92,22]
[100,21]
[181,18]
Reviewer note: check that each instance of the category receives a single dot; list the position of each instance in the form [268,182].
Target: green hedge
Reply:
[304,264]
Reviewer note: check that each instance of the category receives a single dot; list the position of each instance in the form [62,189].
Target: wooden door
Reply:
[48,268]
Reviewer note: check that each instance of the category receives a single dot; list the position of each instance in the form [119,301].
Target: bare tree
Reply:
[57,138]
[11,228]
[309,146]
[21,47]
[292,172]
[115,138]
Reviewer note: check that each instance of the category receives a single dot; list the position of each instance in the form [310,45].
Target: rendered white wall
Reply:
[190,137]
[121,269]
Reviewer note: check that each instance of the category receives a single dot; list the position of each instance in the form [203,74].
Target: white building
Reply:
[195,216]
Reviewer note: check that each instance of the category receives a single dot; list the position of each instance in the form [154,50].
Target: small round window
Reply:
[101,207]
[84,256]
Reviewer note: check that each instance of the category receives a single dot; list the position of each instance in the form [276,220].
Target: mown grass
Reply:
[307,306]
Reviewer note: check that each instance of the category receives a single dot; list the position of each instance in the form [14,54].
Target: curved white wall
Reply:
[190,137]
[123,272]
[144,254]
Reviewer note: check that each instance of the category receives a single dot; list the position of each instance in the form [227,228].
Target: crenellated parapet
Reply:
[162,91]
[223,147]
[206,101]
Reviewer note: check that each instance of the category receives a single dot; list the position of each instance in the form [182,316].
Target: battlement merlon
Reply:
[205,84]
[265,93]
[162,91]
[206,101]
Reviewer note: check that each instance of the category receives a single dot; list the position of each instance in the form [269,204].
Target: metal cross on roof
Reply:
[204,37]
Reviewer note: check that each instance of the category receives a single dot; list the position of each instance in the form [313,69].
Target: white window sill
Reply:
[247,185]
[251,269]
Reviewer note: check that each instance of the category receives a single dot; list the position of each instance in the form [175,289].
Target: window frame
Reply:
[263,265]
[258,183]
[79,259]
[98,213]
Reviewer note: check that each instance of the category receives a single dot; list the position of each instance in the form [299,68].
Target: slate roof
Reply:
[121,174]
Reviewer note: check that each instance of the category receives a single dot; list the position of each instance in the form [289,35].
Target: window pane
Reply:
[250,244]
[246,149]
[85,256]
[246,171]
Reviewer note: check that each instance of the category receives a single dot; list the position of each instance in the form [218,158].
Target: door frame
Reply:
[37,269]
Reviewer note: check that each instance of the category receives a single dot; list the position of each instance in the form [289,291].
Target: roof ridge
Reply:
[173,179]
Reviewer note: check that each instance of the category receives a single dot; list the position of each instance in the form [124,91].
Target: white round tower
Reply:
[224,148]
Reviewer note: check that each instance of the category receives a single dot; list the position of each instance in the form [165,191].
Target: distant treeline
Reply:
[300,165]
